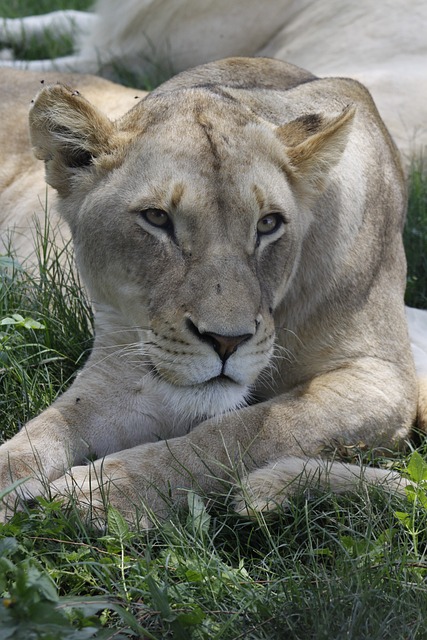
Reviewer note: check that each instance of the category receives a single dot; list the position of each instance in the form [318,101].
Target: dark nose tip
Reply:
[224,346]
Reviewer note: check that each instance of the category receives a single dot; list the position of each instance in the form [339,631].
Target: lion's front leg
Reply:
[367,403]
[41,451]
[134,481]
[107,409]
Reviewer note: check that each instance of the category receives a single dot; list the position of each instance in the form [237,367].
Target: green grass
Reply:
[51,45]
[415,238]
[21,8]
[331,567]
[54,45]
[45,331]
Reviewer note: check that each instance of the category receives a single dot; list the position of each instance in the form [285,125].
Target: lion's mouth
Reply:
[221,379]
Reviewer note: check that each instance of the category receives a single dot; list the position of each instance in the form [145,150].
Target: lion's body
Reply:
[240,234]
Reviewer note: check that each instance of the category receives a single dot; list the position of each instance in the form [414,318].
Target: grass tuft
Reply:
[52,45]
[415,237]
[45,330]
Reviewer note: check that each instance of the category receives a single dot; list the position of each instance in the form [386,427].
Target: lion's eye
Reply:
[269,223]
[156,217]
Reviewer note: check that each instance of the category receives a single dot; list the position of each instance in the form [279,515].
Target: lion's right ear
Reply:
[68,133]
[314,144]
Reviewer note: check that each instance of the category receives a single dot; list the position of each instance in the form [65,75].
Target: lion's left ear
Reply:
[68,133]
[314,144]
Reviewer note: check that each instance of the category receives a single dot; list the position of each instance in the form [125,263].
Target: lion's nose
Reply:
[223,345]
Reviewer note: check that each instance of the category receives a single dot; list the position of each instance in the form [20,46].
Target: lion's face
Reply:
[190,231]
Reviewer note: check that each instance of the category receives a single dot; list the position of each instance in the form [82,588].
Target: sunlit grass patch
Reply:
[45,330]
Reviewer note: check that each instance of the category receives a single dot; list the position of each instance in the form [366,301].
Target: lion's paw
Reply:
[262,490]
[91,490]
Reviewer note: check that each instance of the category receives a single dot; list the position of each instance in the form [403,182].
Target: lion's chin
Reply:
[199,401]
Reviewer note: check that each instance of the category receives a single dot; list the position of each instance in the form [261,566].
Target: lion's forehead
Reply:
[209,162]
[197,122]
[202,162]
[199,104]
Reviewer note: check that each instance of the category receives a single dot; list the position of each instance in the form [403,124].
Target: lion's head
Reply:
[190,216]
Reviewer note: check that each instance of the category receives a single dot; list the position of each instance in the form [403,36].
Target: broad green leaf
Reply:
[91,605]
[19,321]
[117,525]
[8,625]
[198,517]
[43,583]
[194,576]
[30,323]
[404,518]
[8,545]
[417,467]
[6,565]
[8,320]
[195,616]
[160,598]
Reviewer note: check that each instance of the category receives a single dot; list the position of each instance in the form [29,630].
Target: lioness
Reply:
[240,234]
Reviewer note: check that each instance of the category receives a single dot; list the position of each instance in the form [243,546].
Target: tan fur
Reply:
[201,311]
